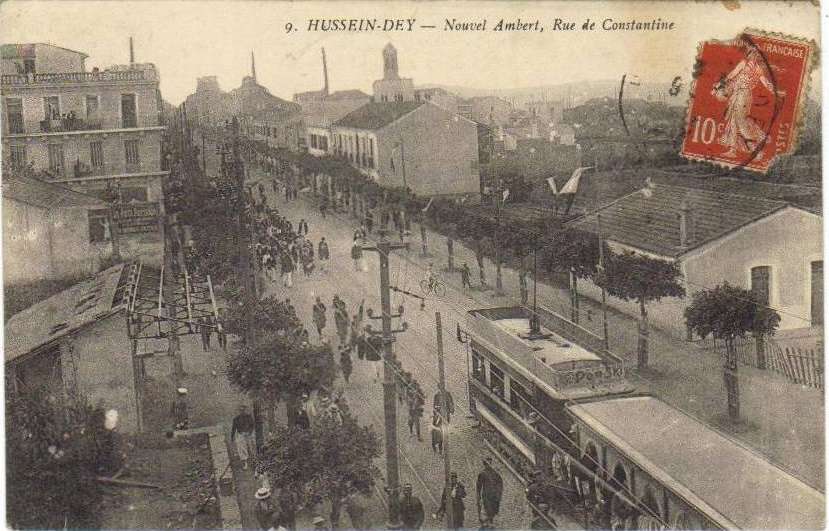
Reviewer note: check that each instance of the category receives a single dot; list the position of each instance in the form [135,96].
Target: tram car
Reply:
[560,411]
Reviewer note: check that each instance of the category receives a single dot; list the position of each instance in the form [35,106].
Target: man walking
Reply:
[450,404]
[411,509]
[319,316]
[205,332]
[357,255]
[341,320]
[415,414]
[179,409]
[287,266]
[323,253]
[264,510]
[241,433]
[452,500]
[488,491]
[522,285]
[465,273]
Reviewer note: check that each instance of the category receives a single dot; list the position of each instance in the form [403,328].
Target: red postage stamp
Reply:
[746,99]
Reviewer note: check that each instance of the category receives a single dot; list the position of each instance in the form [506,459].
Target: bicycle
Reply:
[434,286]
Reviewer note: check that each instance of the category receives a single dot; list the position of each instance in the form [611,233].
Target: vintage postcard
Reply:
[443,265]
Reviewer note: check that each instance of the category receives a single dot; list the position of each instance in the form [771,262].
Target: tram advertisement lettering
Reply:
[591,375]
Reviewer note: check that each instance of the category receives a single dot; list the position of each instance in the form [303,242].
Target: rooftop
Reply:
[551,358]
[747,490]
[46,195]
[652,223]
[376,115]
[27,50]
[550,348]
[66,312]
[347,95]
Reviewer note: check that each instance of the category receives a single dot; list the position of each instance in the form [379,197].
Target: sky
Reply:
[188,39]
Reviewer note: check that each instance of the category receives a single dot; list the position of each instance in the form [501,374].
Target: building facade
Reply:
[429,149]
[766,246]
[46,230]
[88,131]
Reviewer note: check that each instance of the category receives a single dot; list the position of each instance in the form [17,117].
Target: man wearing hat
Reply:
[264,510]
[179,409]
[452,500]
[488,491]
[411,509]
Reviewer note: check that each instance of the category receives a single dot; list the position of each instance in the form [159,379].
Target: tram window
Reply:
[496,377]
[478,368]
[518,399]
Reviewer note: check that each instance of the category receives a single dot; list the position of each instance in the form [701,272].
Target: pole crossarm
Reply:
[177,314]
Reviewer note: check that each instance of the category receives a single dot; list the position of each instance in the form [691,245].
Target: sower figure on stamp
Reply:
[742,133]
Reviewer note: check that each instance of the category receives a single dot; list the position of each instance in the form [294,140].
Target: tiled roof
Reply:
[376,115]
[63,313]
[651,224]
[46,195]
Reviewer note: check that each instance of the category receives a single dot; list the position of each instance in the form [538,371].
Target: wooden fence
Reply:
[801,365]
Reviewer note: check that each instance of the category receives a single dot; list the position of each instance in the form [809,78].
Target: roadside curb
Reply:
[229,511]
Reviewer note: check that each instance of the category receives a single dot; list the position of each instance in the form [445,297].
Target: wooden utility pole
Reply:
[383,248]
[444,408]
[604,291]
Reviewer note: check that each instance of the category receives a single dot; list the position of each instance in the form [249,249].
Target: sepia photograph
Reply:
[472,264]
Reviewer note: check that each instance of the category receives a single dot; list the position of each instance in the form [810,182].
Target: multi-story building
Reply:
[280,128]
[428,149]
[88,131]
[393,87]
[320,109]
[438,96]
[204,107]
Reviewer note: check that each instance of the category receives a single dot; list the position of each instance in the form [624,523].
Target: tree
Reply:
[52,460]
[281,366]
[728,312]
[632,276]
[268,315]
[325,461]
[576,253]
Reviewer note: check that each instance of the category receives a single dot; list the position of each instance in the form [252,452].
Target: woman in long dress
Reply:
[742,133]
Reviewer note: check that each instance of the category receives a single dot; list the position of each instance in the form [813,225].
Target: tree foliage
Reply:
[281,366]
[572,250]
[268,315]
[632,276]
[727,312]
[52,446]
[323,461]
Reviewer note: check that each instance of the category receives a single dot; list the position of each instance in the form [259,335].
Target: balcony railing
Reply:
[64,125]
[77,77]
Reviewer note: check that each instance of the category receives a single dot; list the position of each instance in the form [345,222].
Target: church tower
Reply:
[390,62]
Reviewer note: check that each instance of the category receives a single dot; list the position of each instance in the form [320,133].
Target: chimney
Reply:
[685,224]
[324,73]
[132,53]
[252,66]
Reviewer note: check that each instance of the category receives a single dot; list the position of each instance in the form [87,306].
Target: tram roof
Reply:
[733,485]
[552,348]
